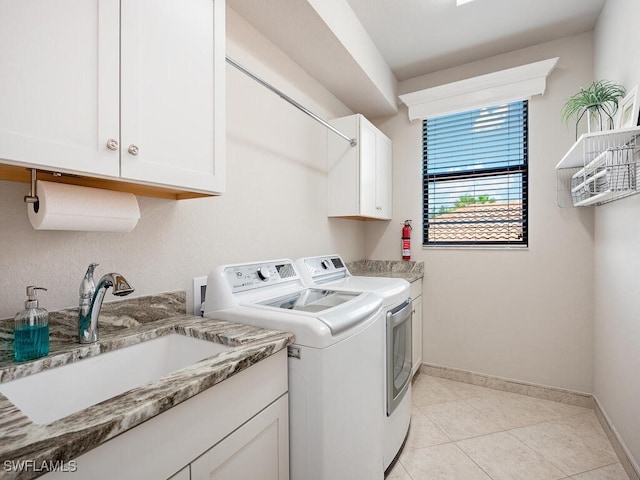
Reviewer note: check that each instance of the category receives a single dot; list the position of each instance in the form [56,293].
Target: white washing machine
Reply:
[335,427]
[330,271]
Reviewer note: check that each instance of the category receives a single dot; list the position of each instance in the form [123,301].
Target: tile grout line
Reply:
[597,468]
[556,416]
[522,442]
[546,459]
[469,405]
[474,462]
[555,394]
[437,426]
[528,447]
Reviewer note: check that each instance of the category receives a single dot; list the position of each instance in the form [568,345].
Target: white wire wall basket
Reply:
[599,168]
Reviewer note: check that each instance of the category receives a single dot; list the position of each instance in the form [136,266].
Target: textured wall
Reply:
[523,314]
[275,205]
[617,250]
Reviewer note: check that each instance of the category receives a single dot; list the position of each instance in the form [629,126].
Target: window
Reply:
[475,177]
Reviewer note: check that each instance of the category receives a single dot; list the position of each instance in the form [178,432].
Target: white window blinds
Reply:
[475,177]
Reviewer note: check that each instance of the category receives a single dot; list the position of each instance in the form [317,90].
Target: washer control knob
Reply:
[325,264]
[263,274]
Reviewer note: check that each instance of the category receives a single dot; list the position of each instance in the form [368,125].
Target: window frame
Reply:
[493,172]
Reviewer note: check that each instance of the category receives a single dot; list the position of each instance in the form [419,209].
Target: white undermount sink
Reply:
[55,393]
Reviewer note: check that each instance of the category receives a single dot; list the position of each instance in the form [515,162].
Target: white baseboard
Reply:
[556,394]
[626,459]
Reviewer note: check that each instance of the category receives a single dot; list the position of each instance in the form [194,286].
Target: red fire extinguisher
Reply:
[406,240]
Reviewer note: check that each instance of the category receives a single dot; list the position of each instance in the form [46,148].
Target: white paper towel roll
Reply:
[70,207]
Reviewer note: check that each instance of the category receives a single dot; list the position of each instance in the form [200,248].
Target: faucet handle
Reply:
[90,268]
[88,286]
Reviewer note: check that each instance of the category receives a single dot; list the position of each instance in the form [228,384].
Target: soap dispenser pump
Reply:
[31,333]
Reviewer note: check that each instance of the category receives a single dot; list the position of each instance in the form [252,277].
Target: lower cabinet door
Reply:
[257,449]
[416,325]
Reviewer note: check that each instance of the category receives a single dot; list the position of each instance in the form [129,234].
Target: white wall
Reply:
[521,314]
[617,250]
[275,205]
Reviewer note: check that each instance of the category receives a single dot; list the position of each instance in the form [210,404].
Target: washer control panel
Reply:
[321,266]
[249,276]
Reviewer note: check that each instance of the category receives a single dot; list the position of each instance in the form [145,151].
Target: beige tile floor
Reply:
[465,432]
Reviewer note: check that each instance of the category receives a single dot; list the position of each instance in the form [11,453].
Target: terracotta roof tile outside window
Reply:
[479,223]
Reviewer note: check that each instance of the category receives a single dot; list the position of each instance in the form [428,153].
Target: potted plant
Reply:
[600,99]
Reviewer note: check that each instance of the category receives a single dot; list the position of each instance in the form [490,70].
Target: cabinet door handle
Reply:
[112,144]
[133,149]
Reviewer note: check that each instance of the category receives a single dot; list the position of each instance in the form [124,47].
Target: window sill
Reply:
[476,247]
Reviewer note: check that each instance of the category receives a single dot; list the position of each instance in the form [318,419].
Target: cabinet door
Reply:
[359,178]
[172,93]
[416,325]
[59,84]
[375,172]
[368,171]
[384,179]
[258,449]
[343,169]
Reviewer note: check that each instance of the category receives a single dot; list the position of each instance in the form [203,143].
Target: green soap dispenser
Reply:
[31,333]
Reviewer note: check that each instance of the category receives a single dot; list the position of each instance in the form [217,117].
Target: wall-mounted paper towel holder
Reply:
[61,206]
[33,190]
[33,194]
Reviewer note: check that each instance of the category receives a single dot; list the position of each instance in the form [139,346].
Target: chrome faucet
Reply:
[91,300]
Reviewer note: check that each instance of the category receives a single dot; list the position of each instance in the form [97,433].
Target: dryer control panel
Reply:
[257,275]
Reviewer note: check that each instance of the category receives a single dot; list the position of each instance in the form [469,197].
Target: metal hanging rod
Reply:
[352,141]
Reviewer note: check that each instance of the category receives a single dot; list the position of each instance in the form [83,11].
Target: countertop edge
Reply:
[406,269]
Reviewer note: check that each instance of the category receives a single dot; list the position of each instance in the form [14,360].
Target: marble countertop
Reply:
[408,270]
[121,324]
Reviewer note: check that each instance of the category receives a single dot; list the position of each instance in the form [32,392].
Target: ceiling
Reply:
[423,36]
[360,49]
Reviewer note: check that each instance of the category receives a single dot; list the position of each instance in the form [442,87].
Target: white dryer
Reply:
[330,271]
[335,425]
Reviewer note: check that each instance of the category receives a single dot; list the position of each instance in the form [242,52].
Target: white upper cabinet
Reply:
[130,90]
[172,77]
[360,177]
[59,84]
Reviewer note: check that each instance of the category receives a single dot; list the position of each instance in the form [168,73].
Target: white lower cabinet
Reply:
[416,325]
[237,429]
[258,449]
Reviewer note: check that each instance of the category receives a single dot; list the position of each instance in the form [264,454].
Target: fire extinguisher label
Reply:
[406,247]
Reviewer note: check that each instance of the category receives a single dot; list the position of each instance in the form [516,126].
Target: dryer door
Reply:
[398,354]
